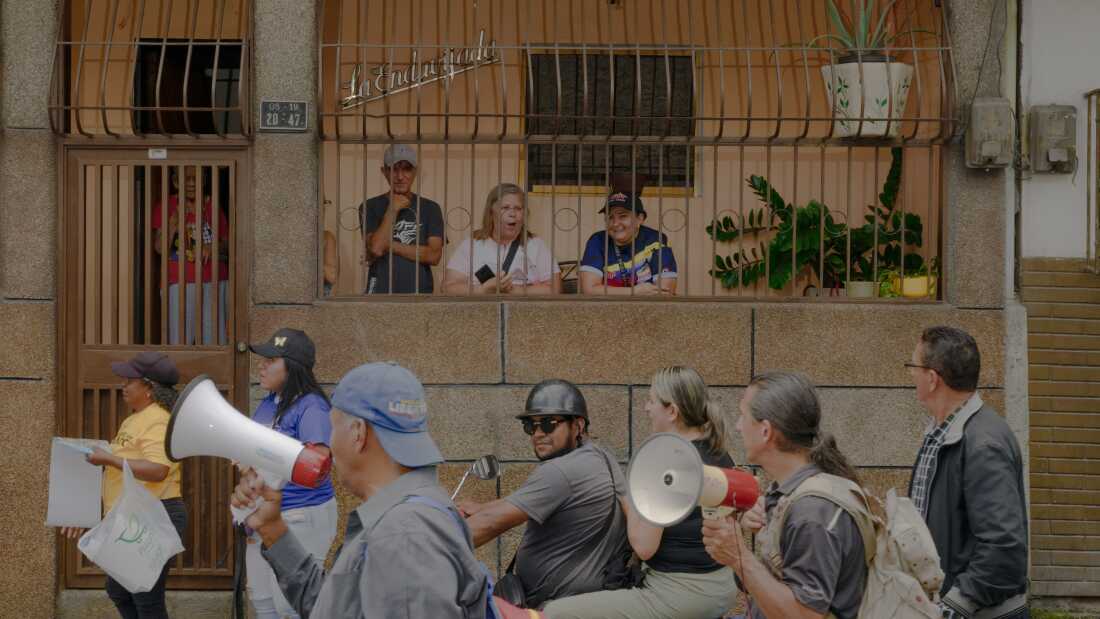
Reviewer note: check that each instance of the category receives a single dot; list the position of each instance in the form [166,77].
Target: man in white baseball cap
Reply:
[403,231]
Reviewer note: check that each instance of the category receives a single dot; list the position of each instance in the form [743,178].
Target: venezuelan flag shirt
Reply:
[639,262]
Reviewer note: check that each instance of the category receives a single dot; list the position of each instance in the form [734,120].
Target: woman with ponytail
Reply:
[681,581]
[810,558]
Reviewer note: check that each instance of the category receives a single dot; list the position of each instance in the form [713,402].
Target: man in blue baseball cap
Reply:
[407,553]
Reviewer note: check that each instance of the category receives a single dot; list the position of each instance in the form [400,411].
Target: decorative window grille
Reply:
[495,91]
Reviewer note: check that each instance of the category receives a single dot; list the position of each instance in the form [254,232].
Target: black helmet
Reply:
[555,397]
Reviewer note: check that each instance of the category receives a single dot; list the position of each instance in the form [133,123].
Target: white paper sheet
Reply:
[75,485]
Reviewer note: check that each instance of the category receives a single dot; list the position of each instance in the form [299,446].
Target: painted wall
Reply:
[1060,48]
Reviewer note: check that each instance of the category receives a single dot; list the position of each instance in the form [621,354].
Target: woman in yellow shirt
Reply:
[150,393]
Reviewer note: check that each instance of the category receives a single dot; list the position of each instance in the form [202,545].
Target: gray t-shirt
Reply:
[567,501]
[823,560]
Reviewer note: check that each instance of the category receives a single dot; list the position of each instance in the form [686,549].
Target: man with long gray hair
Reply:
[968,482]
[817,536]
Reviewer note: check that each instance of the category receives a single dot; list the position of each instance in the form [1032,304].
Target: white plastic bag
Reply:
[135,539]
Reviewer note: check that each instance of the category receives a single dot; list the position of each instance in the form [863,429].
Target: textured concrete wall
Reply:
[28,229]
[479,360]
[285,167]
[976,208]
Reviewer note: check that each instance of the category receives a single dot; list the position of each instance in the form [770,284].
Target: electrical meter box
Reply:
[990,136]
[1053,139]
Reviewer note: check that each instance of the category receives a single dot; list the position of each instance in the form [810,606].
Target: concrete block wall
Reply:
[28,376]
[478,361]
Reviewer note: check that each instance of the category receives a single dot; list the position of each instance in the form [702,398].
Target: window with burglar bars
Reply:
[767,160]
[648,96]
[154,67]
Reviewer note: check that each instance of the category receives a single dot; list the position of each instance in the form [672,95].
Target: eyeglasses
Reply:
[918,366]
[546,425]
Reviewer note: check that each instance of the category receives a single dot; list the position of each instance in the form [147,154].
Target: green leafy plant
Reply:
[799,233]
[861,31]
[887,231]
[873,249]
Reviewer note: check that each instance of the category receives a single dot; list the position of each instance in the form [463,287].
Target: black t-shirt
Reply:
[681,548]
[405,272]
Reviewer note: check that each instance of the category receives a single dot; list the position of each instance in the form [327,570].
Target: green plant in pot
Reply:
[799,234]
[864,82]
[874,248]
[894,236]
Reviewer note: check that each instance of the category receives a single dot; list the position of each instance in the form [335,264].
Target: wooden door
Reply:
[129,284]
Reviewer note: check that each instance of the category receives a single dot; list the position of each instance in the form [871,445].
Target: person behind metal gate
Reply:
[197,250]
[403,231]
[571,504]
[407,553]
[680,580]
[149,392]
[506,256]
[811,559]
[628,257]
[968,482]
[295,406]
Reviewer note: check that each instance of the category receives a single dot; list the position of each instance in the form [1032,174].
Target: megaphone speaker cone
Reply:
[665,479]
[203,423]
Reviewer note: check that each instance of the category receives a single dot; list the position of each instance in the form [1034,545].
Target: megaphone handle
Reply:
[240,514]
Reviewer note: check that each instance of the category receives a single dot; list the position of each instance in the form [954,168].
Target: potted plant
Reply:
[860,286]
[868,259]
[922,283]
[865,82]
[799,234]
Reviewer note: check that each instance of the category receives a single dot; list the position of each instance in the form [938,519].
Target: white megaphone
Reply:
[667,480]
[204,424]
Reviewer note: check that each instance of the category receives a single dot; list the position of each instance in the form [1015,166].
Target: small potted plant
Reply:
[922,283]
[889,284]
[860,286]
[865,82]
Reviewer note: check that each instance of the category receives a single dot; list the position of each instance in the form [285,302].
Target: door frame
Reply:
[69,316]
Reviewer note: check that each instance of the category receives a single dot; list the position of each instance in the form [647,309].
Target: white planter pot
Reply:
[847,83]
[861,290]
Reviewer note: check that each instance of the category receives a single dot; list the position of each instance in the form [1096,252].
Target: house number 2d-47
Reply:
[284,116]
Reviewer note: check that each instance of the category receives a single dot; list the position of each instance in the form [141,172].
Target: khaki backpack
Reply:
[903,574]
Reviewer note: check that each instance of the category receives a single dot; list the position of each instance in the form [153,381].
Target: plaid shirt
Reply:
[926,463]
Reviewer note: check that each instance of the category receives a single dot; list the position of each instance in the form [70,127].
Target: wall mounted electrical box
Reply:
[1053,139]
[990,136]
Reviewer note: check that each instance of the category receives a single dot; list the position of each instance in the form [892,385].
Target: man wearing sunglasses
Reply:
[570,502]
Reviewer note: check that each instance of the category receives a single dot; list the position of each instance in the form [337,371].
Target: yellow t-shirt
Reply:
[141,437]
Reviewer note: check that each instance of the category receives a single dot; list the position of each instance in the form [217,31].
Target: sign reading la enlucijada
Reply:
[385,79]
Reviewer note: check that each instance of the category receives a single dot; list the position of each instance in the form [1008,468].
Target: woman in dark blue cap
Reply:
[149,392]
[295,406]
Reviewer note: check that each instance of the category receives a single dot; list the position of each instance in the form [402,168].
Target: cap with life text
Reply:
[392,400]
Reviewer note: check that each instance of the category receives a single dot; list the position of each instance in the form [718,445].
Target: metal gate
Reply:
[136,225]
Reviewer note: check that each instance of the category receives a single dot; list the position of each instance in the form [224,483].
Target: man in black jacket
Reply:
[968,482]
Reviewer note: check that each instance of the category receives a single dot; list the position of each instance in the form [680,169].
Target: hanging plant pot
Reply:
[883,86]
[860,290]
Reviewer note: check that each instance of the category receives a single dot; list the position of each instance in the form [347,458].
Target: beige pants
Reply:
[662,596]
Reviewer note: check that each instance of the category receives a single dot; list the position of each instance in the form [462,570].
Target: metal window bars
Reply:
[800,184]
[152,67]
